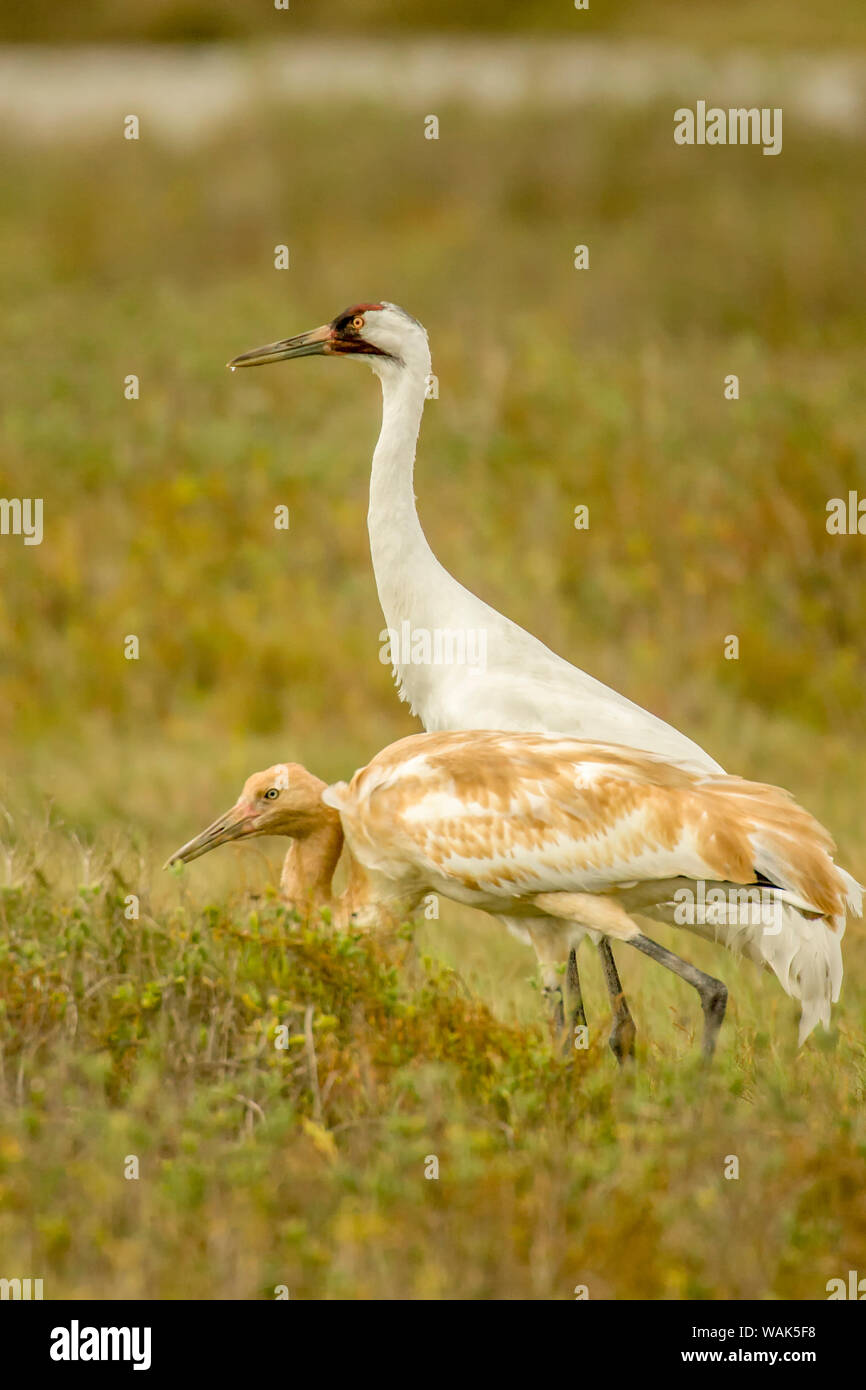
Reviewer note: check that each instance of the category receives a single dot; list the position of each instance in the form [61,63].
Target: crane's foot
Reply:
[711,992]
[623,1032]
[622,1035]
[714,1002]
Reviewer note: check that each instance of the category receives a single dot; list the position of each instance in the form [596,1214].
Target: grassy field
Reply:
[154,1037]
[772,24]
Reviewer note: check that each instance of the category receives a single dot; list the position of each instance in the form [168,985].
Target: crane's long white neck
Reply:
[407,572]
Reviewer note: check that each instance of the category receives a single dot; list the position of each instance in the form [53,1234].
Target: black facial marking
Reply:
[346,338]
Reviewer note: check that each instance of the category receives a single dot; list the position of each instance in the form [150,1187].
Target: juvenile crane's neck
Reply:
[310,863]
[306,881]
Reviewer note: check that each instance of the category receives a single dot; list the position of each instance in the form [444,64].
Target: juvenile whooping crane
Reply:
[564,835]
[524,685]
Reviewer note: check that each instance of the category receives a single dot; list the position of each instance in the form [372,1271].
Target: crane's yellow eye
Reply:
[272,793]
[357,321]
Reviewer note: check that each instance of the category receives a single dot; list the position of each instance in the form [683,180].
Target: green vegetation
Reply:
[305,1166]
[155,1037]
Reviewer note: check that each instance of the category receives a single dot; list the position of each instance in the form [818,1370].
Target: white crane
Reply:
[523,685]
[544,829]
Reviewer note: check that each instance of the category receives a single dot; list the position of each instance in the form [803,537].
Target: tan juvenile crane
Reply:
[552,831]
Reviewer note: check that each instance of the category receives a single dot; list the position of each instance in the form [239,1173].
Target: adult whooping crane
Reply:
[524,685]
[562,834]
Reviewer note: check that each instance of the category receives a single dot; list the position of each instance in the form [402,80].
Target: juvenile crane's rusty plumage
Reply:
[557,831]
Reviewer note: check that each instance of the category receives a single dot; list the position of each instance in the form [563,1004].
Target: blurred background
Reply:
[776,23]
[557,387]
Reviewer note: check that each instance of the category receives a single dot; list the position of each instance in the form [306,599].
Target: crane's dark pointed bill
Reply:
[339,337]
[310,344]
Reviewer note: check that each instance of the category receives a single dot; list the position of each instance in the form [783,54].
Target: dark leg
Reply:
[574,995]
[557,1000]
[622,1034]
[713,994]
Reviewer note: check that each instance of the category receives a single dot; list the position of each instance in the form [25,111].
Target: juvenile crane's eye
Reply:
[357,321]
[272,793]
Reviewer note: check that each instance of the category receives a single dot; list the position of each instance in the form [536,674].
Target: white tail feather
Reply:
[803,949]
